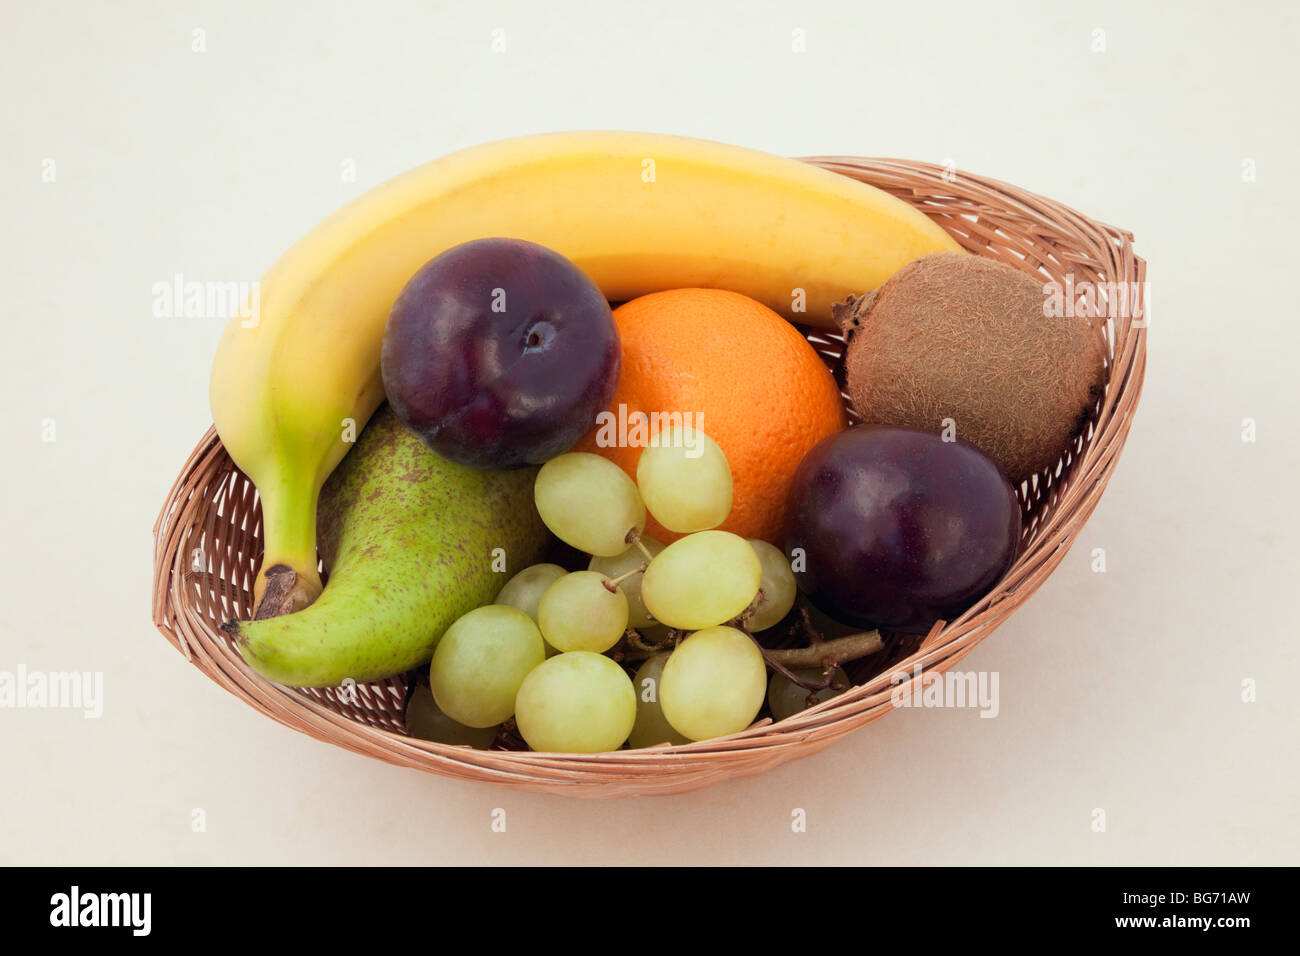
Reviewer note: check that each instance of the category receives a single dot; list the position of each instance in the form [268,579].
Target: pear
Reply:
[410,542]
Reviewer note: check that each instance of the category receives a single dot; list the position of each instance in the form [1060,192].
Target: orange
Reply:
[764,395]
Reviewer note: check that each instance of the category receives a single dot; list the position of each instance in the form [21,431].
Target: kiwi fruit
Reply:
[961,337]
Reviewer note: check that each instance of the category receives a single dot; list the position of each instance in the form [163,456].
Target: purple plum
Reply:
[500,353]
[898,527]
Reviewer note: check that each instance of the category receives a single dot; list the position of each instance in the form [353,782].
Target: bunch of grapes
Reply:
[539,652]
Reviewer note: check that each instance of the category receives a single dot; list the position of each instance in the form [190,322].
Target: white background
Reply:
[1119,691]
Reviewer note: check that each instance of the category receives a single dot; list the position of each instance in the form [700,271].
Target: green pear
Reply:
[410,542]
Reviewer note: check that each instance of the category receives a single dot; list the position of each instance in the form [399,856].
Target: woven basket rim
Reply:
[971,208]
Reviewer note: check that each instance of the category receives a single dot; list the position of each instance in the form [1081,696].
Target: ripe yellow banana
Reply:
[637,212]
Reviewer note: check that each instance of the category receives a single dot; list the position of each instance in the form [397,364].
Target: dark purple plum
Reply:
[500,353]
[898,527]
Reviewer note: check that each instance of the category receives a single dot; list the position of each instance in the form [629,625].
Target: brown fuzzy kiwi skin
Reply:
[956,336]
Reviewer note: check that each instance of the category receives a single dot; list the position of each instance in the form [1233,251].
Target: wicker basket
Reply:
[207,545]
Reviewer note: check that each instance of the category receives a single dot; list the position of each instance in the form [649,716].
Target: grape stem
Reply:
[633,647]
[750,611]
[820,652]
[611,584]
[637,642]
[633,538]
[826,653]
[814,635]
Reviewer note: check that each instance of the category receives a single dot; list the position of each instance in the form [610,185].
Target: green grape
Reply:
[526,588]
[578,613]
[651,725]
[577,702]
[685,480]
[589,502]
[778,586]
[481,661]
[621,564]
[713,684]
[701,580]
[424,719]
[785,697]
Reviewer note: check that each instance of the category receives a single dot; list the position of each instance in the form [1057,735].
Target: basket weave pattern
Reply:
[208,546]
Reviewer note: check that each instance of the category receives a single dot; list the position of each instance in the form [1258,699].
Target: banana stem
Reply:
[288,580]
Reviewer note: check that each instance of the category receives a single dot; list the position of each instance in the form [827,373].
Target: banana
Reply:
[638,212]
